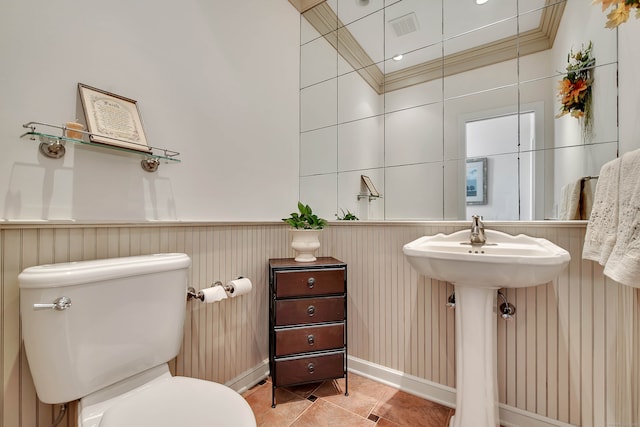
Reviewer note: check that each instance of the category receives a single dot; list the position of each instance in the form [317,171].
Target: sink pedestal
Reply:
[476,375]
[477,271]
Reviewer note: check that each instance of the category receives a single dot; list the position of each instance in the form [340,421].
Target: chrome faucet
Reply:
[477,231]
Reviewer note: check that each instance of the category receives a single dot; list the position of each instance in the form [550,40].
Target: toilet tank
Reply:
[126,315]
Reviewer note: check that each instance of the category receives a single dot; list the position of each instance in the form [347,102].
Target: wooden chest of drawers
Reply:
[307,321]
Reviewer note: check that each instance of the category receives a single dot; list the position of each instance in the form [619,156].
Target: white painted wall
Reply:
[491,138]
[629,90]
[580,25]
[217,81]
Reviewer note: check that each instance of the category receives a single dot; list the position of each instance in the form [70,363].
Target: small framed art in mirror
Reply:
[476,181]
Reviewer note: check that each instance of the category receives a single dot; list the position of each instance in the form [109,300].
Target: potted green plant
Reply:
[305,232]
[348,216]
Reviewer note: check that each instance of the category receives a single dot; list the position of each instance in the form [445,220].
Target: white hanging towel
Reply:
[586,197]
[570,201]
[603,222]
[623,264]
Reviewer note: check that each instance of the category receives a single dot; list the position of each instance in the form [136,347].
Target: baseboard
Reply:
[414,385]
[248,379]
[509,416]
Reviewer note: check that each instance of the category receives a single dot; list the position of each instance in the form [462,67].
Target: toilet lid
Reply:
[181,401]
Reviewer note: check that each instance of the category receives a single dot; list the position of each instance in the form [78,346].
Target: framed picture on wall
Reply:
[369,184]
[476,181]
[112,119]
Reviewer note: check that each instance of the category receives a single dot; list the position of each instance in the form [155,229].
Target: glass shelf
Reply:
[54,146]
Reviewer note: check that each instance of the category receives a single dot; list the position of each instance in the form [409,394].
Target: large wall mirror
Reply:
[449,107]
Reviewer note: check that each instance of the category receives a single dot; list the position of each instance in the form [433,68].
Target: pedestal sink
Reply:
[477,271]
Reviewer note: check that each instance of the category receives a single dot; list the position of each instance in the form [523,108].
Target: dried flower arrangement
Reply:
[574,90]
[620,13]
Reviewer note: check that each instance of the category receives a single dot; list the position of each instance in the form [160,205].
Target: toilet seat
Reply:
[181,401]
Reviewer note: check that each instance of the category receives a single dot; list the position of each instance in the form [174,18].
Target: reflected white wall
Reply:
[509,176]
[422,128]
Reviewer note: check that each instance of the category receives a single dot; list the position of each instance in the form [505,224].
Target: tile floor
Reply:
[324,404]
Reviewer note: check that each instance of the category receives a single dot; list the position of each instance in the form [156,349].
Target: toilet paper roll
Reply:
[214,294]
[238,287]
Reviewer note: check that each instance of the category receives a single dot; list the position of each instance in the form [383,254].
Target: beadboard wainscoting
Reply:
[570,356]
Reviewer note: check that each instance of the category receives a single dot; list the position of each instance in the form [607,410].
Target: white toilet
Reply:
[103,331]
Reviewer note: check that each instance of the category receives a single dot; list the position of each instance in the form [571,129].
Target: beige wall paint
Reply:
[556,359]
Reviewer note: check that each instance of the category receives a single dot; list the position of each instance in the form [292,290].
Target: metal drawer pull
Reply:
[311,310]
[311,282]
[311,368]
[59,304]
[311,340]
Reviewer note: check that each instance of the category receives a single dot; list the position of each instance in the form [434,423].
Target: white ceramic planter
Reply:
[305,243]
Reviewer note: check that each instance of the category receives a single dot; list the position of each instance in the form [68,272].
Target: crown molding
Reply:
[304,5]
[325,21]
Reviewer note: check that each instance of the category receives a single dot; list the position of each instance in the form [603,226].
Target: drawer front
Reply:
[309,282]
[311,338]
[309,369]
[309,310]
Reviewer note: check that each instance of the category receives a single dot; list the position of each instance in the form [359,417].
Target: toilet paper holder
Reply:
[192,294]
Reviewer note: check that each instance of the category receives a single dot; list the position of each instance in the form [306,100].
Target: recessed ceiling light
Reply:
[481,1]
[397,57]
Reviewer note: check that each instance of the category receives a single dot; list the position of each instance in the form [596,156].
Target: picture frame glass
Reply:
[112,119]
[369,184]
[476,181]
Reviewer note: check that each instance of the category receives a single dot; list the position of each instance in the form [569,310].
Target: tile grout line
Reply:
[313,402]
[312,396]
[342,408]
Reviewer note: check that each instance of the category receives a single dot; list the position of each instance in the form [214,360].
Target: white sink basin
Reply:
[504,261]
